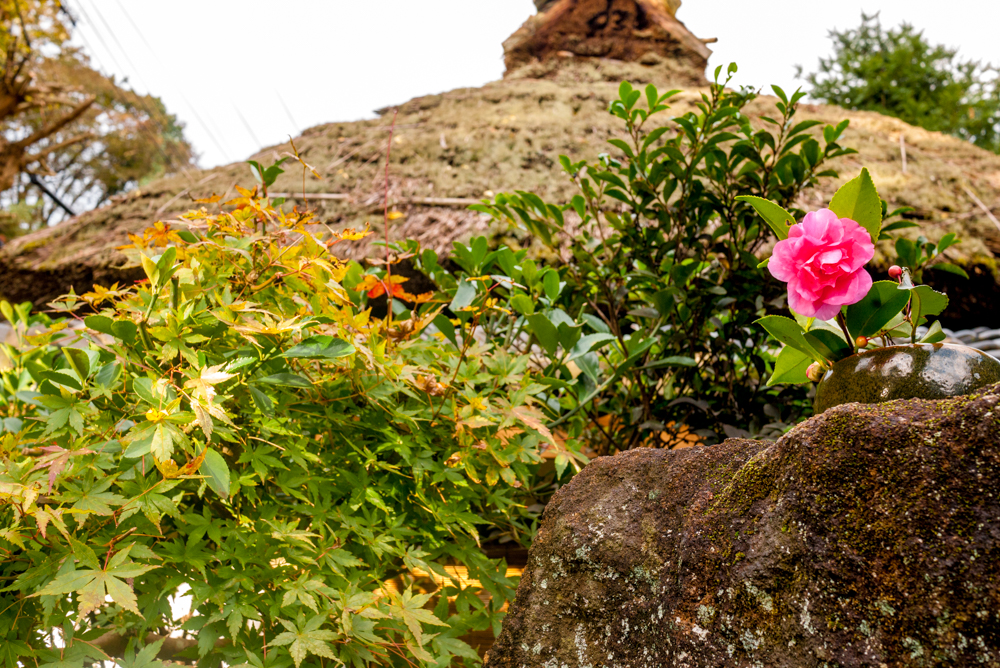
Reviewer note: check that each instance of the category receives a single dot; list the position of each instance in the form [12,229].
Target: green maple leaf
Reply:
[91,584]
[411,609]
[305,640]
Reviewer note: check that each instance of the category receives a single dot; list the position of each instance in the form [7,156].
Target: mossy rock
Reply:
[867,536]
[920,371]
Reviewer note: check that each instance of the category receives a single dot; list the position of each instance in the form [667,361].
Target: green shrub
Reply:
[655,299]
[239,424]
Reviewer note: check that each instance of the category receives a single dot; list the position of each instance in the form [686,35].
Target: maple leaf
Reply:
[531,419]
[56,461]
[161,234]
[203,397]
[411,609]
[376,287]
[92,584]
[101,294]
[306,639]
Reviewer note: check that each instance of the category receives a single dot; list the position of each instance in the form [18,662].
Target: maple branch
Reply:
[113,644]
[29,158]
[57,125]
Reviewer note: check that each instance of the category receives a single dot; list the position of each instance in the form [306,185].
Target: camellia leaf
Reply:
[925,302]
[463,296]
[950,268]
[882,303]
[545,332]
[776,217]
[934,334]
[99,323]
[523,304]
[588,343]
[790,367]
[790,333]
[829,344]
[859,200]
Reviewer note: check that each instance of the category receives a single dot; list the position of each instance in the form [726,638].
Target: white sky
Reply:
[338,60]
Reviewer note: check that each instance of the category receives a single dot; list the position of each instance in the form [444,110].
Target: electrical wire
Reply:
[288,111]
[140,101]
[247,126]
[194,110]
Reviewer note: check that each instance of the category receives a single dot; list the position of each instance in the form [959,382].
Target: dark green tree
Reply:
[900,73]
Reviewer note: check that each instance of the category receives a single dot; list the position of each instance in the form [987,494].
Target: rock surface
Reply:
[867,536]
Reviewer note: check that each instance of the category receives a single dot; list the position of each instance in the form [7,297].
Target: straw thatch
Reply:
[467,144]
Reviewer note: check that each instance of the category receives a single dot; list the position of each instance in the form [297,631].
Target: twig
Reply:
[388,265]
[902,150]
[418,201]
[979,203]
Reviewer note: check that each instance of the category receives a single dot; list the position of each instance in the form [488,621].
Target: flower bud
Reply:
[815,372]
[861,341]
[895,271]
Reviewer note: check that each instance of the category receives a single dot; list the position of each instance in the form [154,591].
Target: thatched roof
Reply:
[464,145]
[644,31]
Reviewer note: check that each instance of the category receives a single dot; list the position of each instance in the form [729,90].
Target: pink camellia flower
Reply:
[823,260]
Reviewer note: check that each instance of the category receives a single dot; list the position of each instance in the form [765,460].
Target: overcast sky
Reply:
[242,74]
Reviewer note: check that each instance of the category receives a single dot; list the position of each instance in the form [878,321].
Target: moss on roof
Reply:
[469,143]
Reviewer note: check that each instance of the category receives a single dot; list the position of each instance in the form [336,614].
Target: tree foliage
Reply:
[900,73]
[87,136]
[239,426]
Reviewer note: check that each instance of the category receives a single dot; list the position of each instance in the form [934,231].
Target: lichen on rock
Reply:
[867,536]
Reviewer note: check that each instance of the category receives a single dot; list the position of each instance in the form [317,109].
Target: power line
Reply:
[194,110]
[139,100]
[160,117]
[288,111]
[247,126]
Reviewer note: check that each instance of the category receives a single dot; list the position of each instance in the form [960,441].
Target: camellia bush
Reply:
[239,429]
[660,253]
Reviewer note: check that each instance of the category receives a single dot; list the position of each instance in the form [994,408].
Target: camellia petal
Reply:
[822,260]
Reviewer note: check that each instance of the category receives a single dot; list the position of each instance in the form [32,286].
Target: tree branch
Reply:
[57,125]
[113,644]
[29,158]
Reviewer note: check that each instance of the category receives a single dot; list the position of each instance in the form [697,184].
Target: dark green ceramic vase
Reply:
[919,371]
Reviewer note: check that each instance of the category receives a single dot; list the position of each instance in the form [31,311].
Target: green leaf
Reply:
[286,379]
[830,345]
[144,388]
[124,330]
[550,283]
[305,641]
[444,326]
[523,304]
[790,333]
[162,444]
[776,217]
[673,360]
[545,332]
[320,347]
[859,200]
[464,295]
[78,361]
[790,367]
[950,268]
[99,323]
[588,343]
[216,472]
[934,334]
[925,302]
[146,658]
[882,303]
